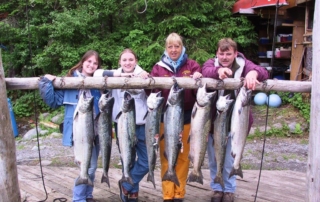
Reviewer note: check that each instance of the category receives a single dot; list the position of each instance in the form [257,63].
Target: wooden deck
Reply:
[274,185]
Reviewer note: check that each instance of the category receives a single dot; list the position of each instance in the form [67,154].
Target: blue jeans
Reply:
[84,191]
[140,166]
[229,183]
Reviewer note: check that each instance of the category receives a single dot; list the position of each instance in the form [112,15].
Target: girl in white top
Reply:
[128,65]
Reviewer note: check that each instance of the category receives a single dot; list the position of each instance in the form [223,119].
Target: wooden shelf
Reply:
[287,25]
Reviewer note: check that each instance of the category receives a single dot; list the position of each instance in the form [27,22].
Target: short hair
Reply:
[225,44]
[174,37]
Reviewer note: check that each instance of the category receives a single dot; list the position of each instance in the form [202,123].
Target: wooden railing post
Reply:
[313,166]
[9,186]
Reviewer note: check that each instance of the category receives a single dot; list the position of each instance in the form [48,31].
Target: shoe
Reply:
[123,195]
[91,200]
[133,197]
[228,197]
[178,200]
[217,196]
[168,200]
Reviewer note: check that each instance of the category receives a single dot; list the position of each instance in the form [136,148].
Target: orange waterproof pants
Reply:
[169,189]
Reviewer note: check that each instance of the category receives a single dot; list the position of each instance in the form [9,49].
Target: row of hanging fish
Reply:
[201,124]
[84,135]
[239,111]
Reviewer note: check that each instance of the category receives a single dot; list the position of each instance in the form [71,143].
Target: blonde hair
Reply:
[128,50]
[174,37]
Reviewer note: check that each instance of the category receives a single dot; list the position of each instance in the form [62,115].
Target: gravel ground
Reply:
[279,153]
[286,153]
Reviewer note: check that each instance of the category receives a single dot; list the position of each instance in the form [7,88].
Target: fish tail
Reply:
[80,180]
[218,179]
[235,171]
[105,179]
[151,178]
[195,177]
[127,179]
[171,176]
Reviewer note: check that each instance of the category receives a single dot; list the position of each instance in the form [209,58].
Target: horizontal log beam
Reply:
[31,83]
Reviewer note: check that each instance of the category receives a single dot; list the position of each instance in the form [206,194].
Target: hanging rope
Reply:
[145,8]
[34,101]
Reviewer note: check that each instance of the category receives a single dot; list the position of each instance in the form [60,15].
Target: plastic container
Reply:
[269,54]
[264,64]
[13,119]
[285,53]
[264,40]
[277,53]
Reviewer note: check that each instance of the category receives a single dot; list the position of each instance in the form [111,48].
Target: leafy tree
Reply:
[59,32]
[50,36]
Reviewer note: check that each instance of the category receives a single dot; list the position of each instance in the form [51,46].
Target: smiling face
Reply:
[174,50]
[128,62]
[174,46]
[226,57]
[90,65]
[227,52]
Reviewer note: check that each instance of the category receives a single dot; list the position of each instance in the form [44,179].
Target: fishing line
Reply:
[264,143]
[34,102]
[267,114]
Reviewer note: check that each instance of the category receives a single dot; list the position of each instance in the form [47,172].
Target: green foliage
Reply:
[51,36]
[297,129]
[24,105]
[272,132]
[298,101]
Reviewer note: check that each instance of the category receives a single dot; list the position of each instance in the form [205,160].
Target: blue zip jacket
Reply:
[69,98]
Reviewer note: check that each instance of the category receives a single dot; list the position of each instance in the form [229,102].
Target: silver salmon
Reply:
[83,136]
[173,129]
[239,129]
[105,132]
[201,118]
[220,134]
[127,135]
[152,128]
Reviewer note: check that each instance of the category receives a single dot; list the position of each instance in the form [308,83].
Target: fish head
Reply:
[204,98]
[223,103]
[85,103]
[106,102]
[176,94]
[155,101]
[128,102]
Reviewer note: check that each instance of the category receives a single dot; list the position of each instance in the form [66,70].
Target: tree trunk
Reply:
[9,186]
[313,166]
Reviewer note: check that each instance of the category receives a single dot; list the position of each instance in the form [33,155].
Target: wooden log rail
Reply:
[155,82]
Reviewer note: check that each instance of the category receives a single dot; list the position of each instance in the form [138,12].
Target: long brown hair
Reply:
[128,50]
[88,54]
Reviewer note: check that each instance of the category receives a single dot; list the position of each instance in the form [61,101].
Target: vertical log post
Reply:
[9,186]
[313,166]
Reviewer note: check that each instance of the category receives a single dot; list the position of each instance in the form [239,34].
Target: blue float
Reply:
[13,119]
[274,100]
[260,99]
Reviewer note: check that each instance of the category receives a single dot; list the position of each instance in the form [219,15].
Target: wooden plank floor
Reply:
[274,185]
